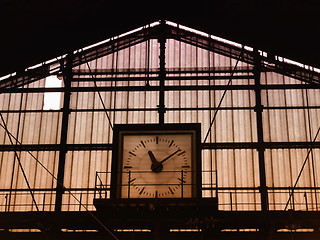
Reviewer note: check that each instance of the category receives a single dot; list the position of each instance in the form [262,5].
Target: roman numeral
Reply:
[157,140]
[186,166]
[127,166]
[171,143]
[171,190]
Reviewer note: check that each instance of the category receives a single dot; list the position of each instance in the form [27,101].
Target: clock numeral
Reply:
[181,153]
[131,180]
[157,140]
[156,194]
[132,154]
[186,166]
[143,144]
[127,166]
[181,180]
[171,143]
[172,192]
[141,191]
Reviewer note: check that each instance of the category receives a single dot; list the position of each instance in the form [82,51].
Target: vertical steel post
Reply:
[95,186]
[181,183]
[6,206]
[43,201]
[292,194]
[80,203]
[261,145]
[129,181]
[306,199]
[162,70]
[67,77]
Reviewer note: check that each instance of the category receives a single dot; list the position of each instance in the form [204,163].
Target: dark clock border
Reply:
[118,128]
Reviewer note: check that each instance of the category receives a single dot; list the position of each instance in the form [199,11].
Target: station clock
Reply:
[156,161]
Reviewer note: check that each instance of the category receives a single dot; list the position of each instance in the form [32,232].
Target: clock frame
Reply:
[166,158]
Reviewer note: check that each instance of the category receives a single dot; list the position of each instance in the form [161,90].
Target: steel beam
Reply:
[204,146]
[147,235]
[64,131]
[166,88]
[261,145]
[223,220]
[162,38]
[167,78]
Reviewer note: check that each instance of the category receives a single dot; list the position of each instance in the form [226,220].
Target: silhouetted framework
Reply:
[260,120]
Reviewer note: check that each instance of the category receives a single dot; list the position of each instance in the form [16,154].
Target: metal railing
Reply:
[17,200]
[230,198]
[179,184]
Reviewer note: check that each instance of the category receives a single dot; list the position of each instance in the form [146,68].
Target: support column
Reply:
[67,78]
[162,71]
[261,145]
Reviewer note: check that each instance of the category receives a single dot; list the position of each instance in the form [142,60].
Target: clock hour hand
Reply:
[155,166]
[169,156]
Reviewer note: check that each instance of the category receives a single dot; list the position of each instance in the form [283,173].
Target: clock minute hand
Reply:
[169,156]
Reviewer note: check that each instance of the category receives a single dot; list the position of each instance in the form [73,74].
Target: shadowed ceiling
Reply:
[33,31]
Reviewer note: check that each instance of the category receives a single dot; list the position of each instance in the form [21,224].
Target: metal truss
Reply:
[55,67]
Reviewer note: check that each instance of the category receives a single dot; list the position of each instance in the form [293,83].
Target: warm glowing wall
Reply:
[290,115]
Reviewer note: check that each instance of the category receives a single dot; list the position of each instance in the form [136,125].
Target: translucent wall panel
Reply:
[11,177]
[237,173]
[32,128]
[19,101]
[289,97]
[94,127]
[182,55]
[272,78]
[81,168]
[26,101]
[313,96]
[284,125]
[229,126]
[134,57]
[205,99]
[289,115]
[314,119]
[236,168]
[283,167]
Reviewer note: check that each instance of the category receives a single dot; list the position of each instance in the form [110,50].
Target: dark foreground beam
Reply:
[222,220]
[204,235]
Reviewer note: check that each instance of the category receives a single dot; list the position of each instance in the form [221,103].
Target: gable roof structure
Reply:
[169,30]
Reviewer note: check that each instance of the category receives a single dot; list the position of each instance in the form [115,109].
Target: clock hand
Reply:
[155,166]
[152,158]
[169,156]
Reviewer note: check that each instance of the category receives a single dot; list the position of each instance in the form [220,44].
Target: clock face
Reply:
[156,161]
[157,166]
